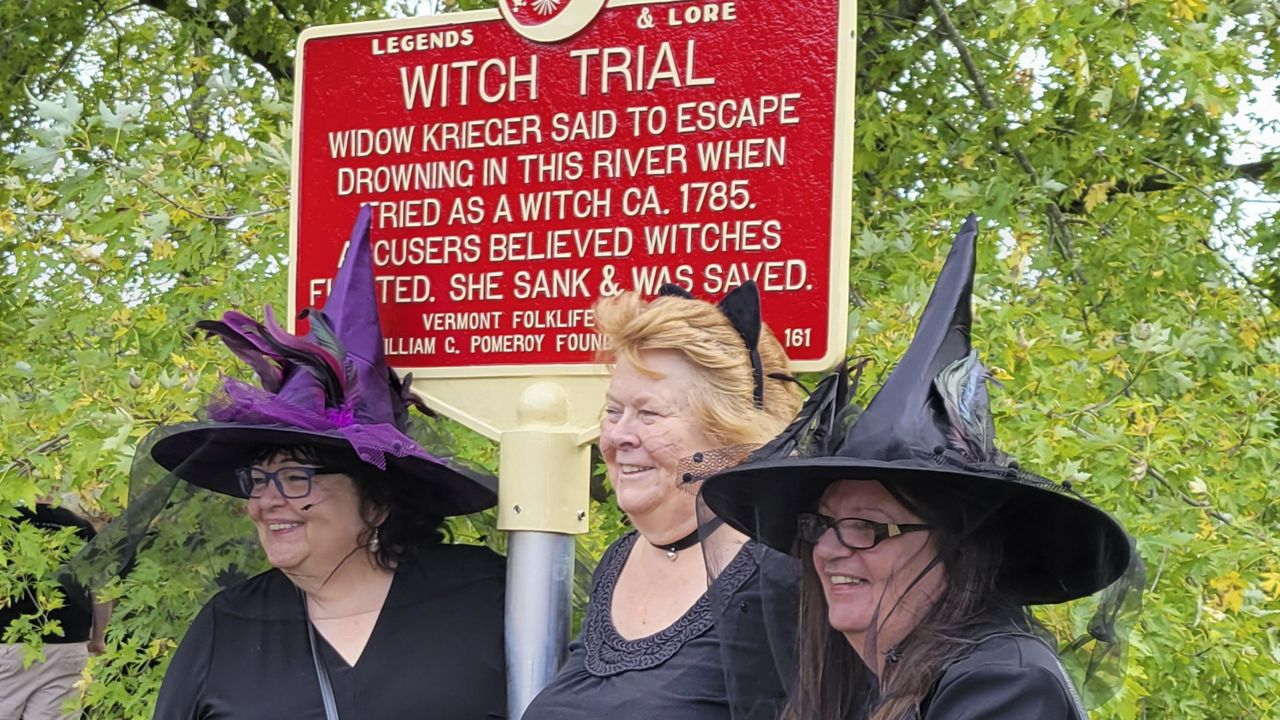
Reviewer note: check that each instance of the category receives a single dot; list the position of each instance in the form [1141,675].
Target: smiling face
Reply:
[648,427]
[311,541]
[856,582]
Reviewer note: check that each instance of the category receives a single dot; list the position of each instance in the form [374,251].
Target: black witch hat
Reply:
[929,426]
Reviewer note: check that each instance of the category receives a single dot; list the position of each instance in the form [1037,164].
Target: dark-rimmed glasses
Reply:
[292,482]
[854,533]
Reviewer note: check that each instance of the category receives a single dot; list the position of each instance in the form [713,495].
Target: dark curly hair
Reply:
[411,521]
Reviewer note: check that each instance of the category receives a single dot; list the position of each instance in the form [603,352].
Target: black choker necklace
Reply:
[684,543]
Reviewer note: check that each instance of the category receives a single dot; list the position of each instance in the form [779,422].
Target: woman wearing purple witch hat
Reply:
[367,613]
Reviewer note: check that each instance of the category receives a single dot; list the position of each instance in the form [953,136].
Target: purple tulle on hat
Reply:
[335,378]
[244,404]
[329,387]
[341,416]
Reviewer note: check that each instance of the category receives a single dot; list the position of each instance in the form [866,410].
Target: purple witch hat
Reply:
[330,389]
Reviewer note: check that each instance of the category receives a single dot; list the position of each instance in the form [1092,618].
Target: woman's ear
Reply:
[375,515]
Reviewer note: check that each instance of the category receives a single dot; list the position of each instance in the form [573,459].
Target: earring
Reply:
[377,539]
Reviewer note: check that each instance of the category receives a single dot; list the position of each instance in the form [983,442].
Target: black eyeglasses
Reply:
[854,533]
[292,482]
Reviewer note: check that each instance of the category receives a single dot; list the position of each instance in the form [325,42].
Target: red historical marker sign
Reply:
[523,162]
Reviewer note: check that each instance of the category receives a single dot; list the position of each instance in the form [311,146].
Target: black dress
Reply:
[679,672]
[1010,674]
[436,650]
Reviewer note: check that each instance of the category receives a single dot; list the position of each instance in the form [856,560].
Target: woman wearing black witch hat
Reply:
[922,544]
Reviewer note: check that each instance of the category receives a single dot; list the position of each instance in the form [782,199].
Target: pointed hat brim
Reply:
[1058,547]
[206,455]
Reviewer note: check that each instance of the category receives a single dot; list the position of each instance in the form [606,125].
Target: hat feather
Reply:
[312,356]
[962,386]
[821,422]
[242,340]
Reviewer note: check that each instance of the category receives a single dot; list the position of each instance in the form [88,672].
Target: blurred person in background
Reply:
[41,690]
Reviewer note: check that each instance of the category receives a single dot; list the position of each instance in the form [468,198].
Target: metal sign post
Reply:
[547,458]
[544,470]
[544,466]
[526,161]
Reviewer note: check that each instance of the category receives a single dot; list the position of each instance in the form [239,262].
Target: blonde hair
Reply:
[724,403]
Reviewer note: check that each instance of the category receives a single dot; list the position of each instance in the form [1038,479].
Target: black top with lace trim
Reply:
[608,653]
[676,672]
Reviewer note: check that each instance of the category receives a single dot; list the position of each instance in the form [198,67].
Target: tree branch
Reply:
[48,447]
[896,17]
[903,17]
[1059,232]
[1170,179]
[276,64]
[1202,505]
[284,12]
[1256,171]
[1154,183]
[218,219]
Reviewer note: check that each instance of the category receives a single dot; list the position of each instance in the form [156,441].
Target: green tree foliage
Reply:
[1126,298]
